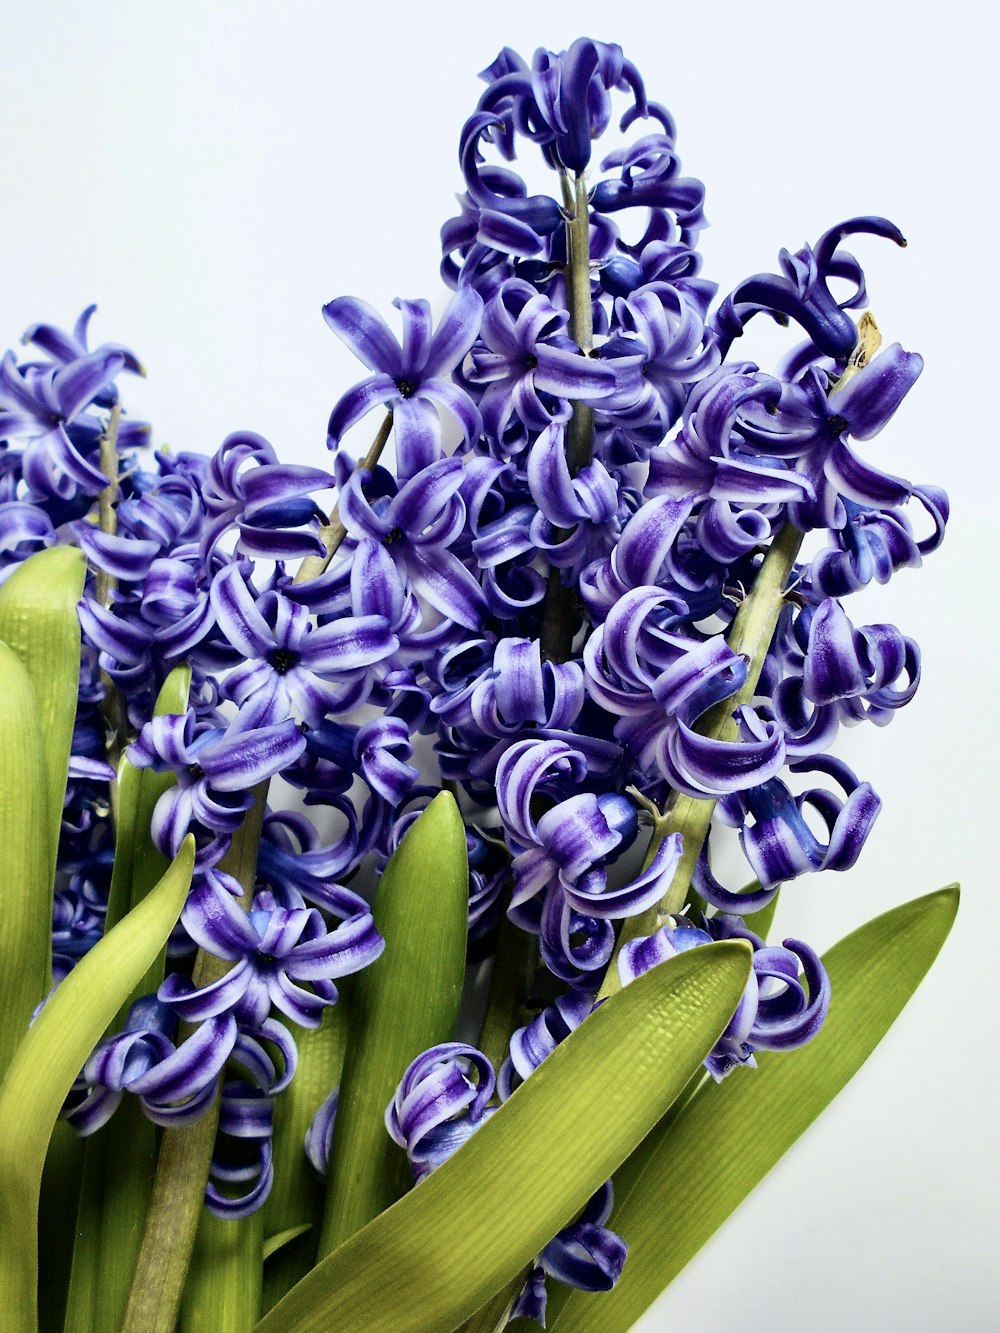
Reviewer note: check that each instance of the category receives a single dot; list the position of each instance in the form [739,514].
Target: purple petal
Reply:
[366,333]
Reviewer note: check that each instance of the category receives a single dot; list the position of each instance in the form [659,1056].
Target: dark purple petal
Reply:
[366,333]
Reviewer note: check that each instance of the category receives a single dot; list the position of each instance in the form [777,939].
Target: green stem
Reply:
[297,1196]
[186,1153]
[113,706]
[107,517]
[223,1291]
[559,615]
[750,634]
[509,988]
[334,532]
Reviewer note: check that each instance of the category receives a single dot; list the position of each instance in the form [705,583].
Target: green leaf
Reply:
[686,1179]
[760,922]
[222,1291]
[275,1243]
[405,1002]
[49,1059]
[139,863]
[25,865]
[121,1158]
[434,1257]
[294,1207]
[38,620]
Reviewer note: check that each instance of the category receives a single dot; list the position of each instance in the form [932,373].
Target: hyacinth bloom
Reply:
[274,949]
[410,380]
[289,665]
[530,367]
[591,622]
[417,526]
[216,769]
[38,405]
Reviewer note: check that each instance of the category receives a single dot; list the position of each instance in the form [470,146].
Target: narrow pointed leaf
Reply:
[222,1291]
[434,1257]
[293,1212]
[275,1243]
[49,1059]
[760,922]
[686,1178]
[139,863]
[405,1002]
[121,1158]
[38,619]
[25,875]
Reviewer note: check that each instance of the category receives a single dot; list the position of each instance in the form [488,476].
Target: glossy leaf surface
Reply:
[405,1002]
[433,1258]
[686,1179]
[49,1059]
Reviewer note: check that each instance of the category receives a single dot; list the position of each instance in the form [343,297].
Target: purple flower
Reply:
[441,1100]
[174,1083]
[64,348]
[564,102]
[289,664]
[274,949]
[530,366]
[216,769]
[417,525]
[243,1155]
[246,487]
[802,291]
[40,407]
[561,889]
[777,1011]
[410,380]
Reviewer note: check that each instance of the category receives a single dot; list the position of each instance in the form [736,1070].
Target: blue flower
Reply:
[410,380]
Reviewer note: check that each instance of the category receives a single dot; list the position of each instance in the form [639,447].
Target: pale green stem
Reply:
[507,1009]
[107,517]
[750,635]
[186,1153]
[559,611]
[223,1291]
[334,532]
[113,707]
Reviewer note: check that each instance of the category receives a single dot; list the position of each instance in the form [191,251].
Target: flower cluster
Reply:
[589,485]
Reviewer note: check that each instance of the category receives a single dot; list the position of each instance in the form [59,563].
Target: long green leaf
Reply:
[405,1002]
[121,1157]
[25,878]
[294,1208]
[434,1257]
[683,1183]
[223,1287]
[49,1059]
[38,620]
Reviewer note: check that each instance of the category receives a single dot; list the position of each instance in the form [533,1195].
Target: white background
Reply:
[211,175]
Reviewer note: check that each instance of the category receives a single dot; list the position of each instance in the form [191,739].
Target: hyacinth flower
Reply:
[216,767]
[411,380]
[274,948]
[40,407]
[444,1097]
[516,684]
[289,665]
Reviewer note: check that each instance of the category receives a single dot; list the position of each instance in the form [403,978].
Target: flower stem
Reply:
[334,532]
[507,1008]
[107,517]
[186,1153]
[750,634]
[224,1286]
[113,705]
[559,612]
